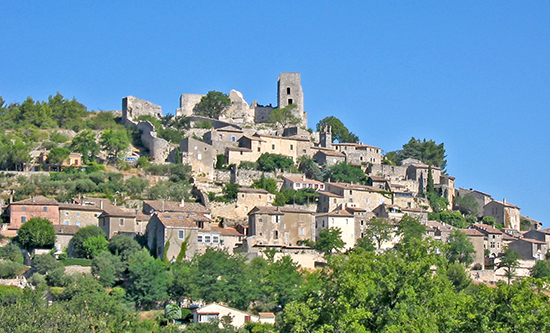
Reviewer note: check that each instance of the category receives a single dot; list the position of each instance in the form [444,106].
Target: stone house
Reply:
[252,147]
[200,156]
[211,236]
[481,198]
[392,172]
[63,236]
[493,240]
[438,231]
[363,196]
[328,157]
[248,198]
[298,183]
[419,173]
[215,312]
[280,225]
[379,182]
[540,235]
[152,206]
[388,211]
[403,197]
[477,239]
[114,221]
[223,137]
[79,215]
[359,153]
[341,219]
[446,187]
[529,249]
[39,206]
[167,232]
[504,213]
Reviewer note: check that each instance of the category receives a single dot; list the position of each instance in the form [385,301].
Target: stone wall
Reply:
[187,104]
[133,107]
[159,149]
[392,172]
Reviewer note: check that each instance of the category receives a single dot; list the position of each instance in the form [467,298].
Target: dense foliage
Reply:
[427,151]
[212,104]
[36,233]
[340,133]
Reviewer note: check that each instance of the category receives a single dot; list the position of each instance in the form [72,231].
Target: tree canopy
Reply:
[36,233]
[213,104]
[427,151]
[285,117]
[340,132]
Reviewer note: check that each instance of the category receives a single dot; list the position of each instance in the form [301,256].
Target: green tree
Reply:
[379,230]
[541,269]
[268,184]
[115,141]
[85,143]
[11,252]
[509,262]
[57,155]
[525,224]
[488,220]
[308,166]
[467,205]
[77,242]
[329,241]
[136,185]
[272,162]
[36,233]
[212,104]
[346,173]
[410,228]
[459,248]
[230,191]
[340,132]
[123,246]
[148,279]
[458,276]
[285,117]
[424,150]
[94,246]
[107,268]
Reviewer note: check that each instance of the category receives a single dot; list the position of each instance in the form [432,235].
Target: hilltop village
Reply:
[255,180]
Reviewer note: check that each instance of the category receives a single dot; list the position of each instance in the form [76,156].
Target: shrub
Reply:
[36,233]
[10,269]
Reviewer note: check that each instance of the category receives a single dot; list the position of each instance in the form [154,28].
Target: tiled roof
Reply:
[485,227]
[356,187]
[275,210]
[505,204]
[330,194]
[79,207]
[266,314]
[336,213]
[252,190]
[331,153]
[227,231]
[175,206]
[253,138]
[472,232]
[302,180]
[38,200]
[117,212]
[239,149]
[65,229]
[181,220]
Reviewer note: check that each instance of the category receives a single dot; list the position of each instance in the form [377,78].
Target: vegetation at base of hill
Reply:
[340,133]
[427,151]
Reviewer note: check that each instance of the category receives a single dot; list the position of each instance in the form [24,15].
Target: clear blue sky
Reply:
[474,75]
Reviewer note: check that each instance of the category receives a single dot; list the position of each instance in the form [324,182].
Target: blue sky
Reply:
[474,75]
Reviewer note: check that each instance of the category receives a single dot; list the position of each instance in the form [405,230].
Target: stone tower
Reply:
[325,137]
[289,91]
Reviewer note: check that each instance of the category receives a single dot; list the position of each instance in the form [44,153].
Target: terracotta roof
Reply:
[266,314]
[356,187]
[79,207]
[97,202]
[378,179]
[252,190]
[239,149]
[275,210]
[534,241]
[228,129]
[37,200]
[227,231]
[485,227]
[65,229]
[331,153]
[355,209]
[143,217]
[330,194]
[336,213]
[181,220]
[292,138]
[505,204]
[472,233]
[253,138]
[413,210]
[302,180]
[176,206]
[115,211]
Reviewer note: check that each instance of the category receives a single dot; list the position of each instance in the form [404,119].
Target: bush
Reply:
[10,269]
[77,242]
[36,233]
[11,252]
[272,162]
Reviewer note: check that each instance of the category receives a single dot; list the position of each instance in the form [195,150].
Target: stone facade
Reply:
[328,157]
[493,240]
[481,198]
[504,213]
[477,239]
[529,249]
[79,215]
[159,149]
[359,153]
[167,232]
[222,138]
[392,172]
[340,194]
[133,107]
[280,225]
[289,91]
[341,219]
[252,147]
[116,221]
[200,156]
[187,104]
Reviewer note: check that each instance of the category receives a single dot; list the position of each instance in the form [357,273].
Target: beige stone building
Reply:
[298,183]
[342,219]
[152,206]
[280,225]
[167,232]
[223,137]
[504,213]
[200,156]
[328,157]
[79,215]
[477,239]
[481,198]
[493,239]
[359,153]
[115,221]
[362,196]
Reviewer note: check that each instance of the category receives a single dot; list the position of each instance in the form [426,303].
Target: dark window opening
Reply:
[288,91]
[290,101]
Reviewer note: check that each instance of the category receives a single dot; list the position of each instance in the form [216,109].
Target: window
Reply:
[275,234]
[260,220]
[207,239]
[45,208]
[290,101]
[195,147]
[121,222]
[23,219]
[199,157]
[215,239]
[277,218]
[77,223]
[288,90]
[66,213]
[302,231]
[66,222]
[291,147]
[199,238]
[273,146]
[180,234]
[24,209]
[259,149]
[233,138]
[492,244]
[77,214]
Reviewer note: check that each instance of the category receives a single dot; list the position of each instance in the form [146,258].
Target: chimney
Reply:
[304,177]
[182,203]
[163,205]
[100,204]
[504,201]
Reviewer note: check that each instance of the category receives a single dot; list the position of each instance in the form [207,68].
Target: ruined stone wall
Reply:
[187,104]
[159,149]
[392,172]
[133,107]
